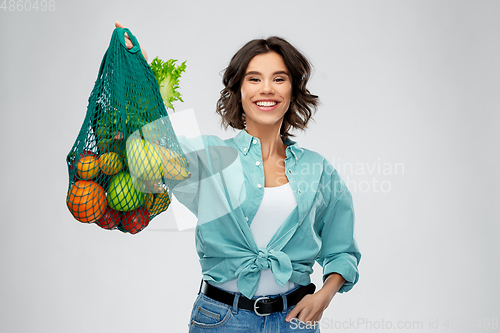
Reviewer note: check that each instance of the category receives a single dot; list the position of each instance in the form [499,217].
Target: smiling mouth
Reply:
[266,103]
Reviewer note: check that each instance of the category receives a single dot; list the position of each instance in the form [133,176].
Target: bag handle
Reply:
[121,37]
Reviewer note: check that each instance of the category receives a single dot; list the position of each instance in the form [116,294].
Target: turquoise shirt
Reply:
[225,191]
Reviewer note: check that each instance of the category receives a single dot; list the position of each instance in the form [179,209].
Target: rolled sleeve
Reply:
[339,251]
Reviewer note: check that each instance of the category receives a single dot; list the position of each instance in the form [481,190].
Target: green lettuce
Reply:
[167,73]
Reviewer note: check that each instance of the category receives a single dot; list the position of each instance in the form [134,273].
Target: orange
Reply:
[87,167]
[157,203]
[86,201]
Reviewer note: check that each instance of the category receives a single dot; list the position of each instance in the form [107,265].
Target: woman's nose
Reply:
[266,88]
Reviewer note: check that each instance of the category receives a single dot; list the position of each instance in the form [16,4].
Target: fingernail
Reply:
[287,318]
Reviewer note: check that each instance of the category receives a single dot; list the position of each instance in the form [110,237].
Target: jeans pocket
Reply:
[208,313]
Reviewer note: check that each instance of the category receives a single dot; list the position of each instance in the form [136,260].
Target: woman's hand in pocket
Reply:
[311,307]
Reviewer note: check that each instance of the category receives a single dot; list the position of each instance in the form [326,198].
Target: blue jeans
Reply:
[211,316]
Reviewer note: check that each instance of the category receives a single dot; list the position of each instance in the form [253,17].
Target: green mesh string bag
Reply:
[126,158]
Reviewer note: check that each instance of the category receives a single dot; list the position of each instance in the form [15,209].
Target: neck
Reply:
[270,140]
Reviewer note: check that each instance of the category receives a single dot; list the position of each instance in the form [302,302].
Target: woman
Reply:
[257,259]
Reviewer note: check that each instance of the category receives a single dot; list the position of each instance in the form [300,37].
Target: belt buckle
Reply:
[255,306]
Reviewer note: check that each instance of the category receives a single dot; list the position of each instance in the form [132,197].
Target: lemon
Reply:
[110,163]
[144,160]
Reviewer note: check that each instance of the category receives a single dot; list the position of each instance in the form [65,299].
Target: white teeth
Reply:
[266,103]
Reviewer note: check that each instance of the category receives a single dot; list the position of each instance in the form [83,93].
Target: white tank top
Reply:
[277,203]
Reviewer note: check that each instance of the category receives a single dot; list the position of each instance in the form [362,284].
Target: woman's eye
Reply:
[278,79]
[254,79]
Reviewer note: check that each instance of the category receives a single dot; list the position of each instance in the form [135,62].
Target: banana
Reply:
[174,165]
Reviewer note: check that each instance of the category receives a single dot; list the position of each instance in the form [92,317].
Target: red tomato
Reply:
[87,152]
[110,219]
[136,220]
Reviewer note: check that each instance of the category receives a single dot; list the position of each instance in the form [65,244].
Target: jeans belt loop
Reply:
[235,302]
[285,305]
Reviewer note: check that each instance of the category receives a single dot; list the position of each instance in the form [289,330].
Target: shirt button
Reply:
[289,171]
[257,163]
[246,218]
[254,141]
[245,149]
[298,191]
[259,185]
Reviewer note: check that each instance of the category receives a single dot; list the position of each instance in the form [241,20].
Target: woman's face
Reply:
[266,91]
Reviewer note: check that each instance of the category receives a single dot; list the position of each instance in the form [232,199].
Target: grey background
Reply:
[412,84]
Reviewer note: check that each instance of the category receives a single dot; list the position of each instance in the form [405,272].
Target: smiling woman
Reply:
[257,258]
[265,95]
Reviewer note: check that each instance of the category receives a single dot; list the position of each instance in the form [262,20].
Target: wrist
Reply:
[333,282]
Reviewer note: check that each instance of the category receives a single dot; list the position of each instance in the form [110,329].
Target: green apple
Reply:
[122,195]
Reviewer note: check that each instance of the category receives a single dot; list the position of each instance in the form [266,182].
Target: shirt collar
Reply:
[244,141]
[296,150]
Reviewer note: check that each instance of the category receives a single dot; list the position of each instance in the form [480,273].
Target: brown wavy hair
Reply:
[302,103]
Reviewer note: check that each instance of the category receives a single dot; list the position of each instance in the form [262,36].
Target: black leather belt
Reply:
[262,306]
